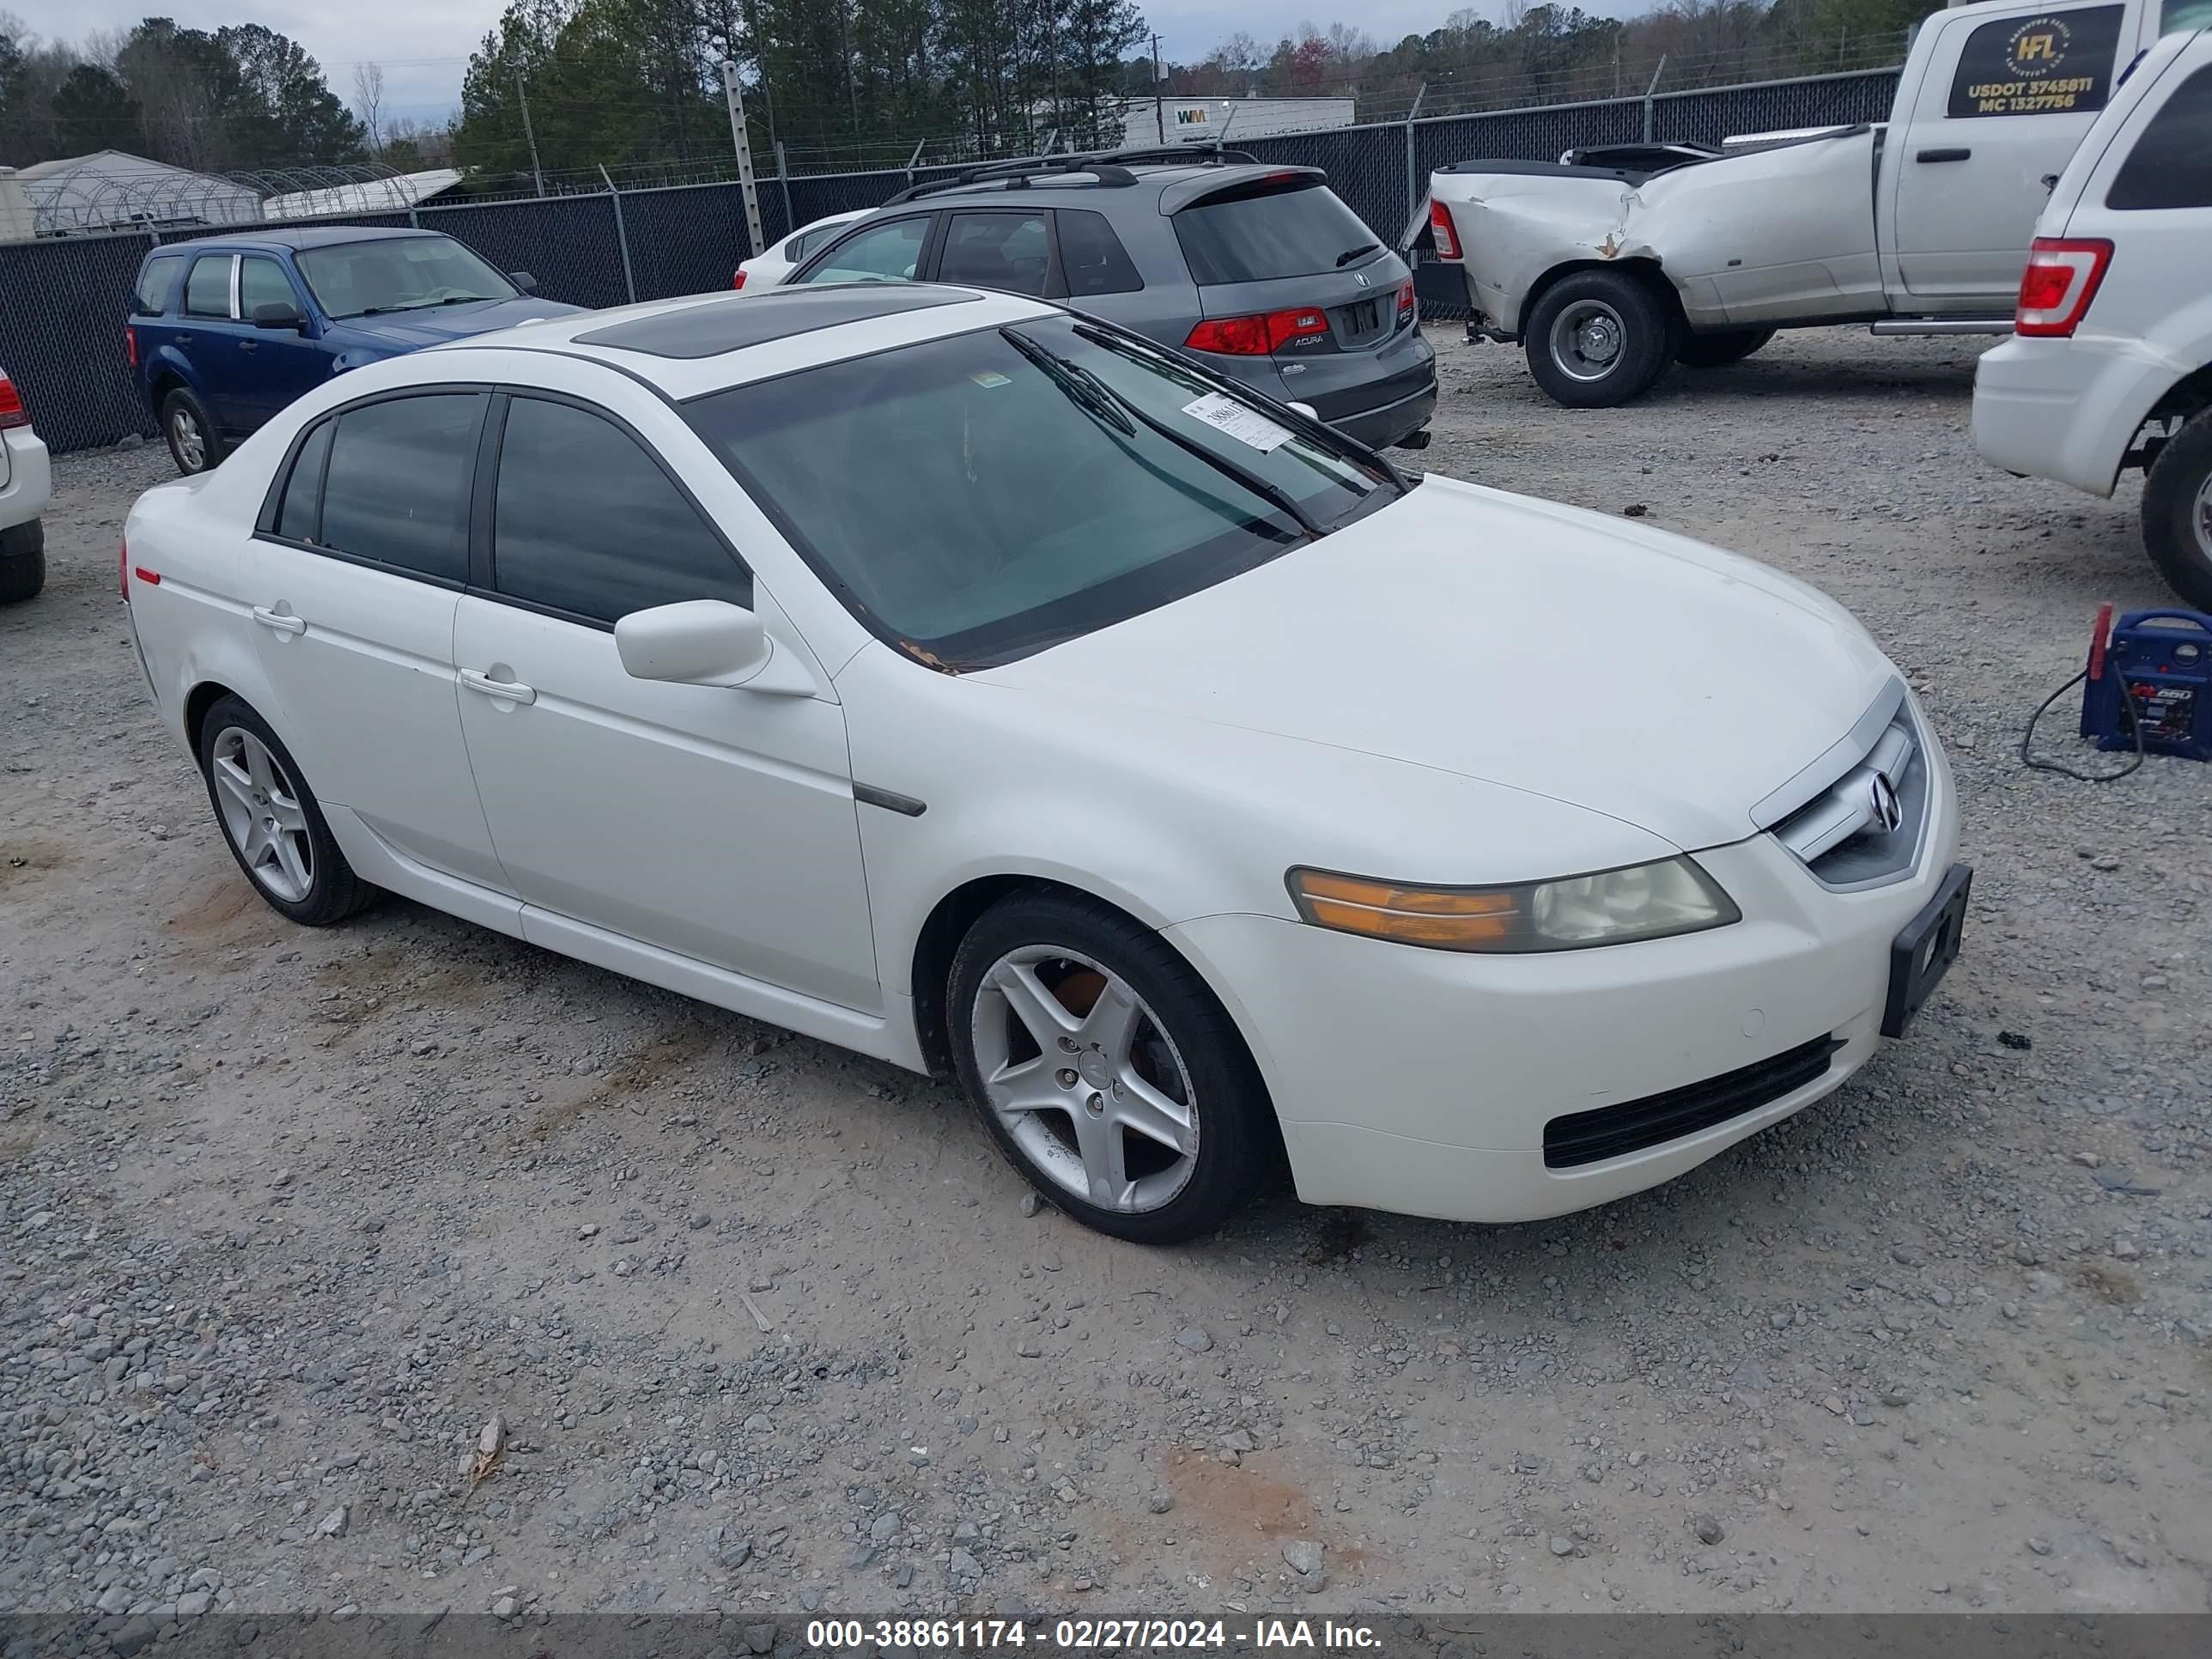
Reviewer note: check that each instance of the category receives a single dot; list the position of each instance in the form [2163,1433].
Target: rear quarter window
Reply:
[2050,62]
[1092,256]
[2171,166]
[155,282]
[1264,232]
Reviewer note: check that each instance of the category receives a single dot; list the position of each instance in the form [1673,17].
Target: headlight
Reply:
[1613,907]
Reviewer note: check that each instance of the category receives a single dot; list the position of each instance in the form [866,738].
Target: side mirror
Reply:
[278,314]
[1308,411]
[523,280]
[693,642]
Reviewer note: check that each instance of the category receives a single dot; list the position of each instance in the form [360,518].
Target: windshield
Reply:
[1267,232]
[408,273]
[979,497]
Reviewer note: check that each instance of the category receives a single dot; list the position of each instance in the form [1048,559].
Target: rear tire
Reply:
[271,821]
[1717,350]
[23,561]
[1599,339]
[194,444]
[1106,1071]
[2177,512]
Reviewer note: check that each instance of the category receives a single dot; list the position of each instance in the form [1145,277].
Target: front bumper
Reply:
[2066,410]
[1421,1081]
[26,480]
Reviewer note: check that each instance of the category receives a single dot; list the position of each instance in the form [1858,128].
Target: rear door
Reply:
[1280,252]
[2000,105]
[208,334]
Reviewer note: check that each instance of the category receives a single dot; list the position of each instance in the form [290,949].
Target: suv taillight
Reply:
[12,412]
[2061,279]
[130,346]
[1446,239]
[1258,334]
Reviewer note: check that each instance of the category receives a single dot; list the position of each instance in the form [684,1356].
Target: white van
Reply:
[2110,364]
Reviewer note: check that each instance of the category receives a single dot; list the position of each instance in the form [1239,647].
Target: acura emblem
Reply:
[1888,810]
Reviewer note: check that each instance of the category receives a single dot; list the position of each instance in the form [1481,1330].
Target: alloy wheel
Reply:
[1085,1079]
[262,814]
[191,442]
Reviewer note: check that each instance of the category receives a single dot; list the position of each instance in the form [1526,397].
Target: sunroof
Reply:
[740,321]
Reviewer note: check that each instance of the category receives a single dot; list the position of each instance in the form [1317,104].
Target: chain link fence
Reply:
[61,330]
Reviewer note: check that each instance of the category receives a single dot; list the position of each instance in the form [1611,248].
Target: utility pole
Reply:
[744,147]
[528,132]
[1160,117]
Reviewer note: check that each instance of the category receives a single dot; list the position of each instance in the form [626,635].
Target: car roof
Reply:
[687,347]
[1154,180]
[293,241]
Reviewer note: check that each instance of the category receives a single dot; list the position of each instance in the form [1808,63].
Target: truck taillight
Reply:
[12,412]
[2061,277]
[1258,334]
[737,279]
[1446,239]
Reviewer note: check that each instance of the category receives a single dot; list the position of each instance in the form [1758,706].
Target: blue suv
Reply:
[224,333]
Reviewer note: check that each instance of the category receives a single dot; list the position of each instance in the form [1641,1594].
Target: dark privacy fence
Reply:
[63,300]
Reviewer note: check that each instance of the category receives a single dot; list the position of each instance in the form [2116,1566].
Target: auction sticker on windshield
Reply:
[1239,421]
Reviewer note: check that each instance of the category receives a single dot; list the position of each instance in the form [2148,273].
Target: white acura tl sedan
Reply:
[990,691]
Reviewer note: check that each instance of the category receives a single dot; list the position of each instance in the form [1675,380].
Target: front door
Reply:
[2002,106]
[278,364]
[712,822]
[353,583]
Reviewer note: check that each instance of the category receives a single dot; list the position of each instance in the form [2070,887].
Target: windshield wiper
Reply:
[1083,389]
[1351,253]
[1260,485]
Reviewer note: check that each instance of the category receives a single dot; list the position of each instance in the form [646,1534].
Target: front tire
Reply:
[2177,512]
[1106,1071]
[271,819]
[195,444]
[1718,350]
[1599,339]
[23,561]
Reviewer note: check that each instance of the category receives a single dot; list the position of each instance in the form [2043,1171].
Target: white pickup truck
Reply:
[1608,275]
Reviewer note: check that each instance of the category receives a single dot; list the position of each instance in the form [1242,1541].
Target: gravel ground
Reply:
[291,1216]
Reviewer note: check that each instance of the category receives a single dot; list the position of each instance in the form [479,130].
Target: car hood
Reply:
[1542,647]
[411,331]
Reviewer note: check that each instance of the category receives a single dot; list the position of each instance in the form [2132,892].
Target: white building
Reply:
[1225,120]
[395,194]
[114,190]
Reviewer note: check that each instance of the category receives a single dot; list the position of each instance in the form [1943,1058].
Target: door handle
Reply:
[505,691]
[1943,155]
[283,621]
[247,345]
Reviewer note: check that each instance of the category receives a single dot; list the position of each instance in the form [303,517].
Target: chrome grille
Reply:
[1862,826]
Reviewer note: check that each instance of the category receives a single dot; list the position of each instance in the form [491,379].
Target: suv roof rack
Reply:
[1110,168]
[1015,175]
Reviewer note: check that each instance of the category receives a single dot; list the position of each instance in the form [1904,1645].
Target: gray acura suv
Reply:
[1260,270]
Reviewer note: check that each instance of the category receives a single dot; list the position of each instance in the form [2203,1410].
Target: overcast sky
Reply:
[424,44]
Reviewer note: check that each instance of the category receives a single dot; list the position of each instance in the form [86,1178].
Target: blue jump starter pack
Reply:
[2164,660]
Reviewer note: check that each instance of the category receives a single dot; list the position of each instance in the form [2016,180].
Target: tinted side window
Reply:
[155,283]
[880,253]
[397,486]
[2171,166]
[2042,64]
[1008,250]
[207,290]
[1091,257]
[296,514]
[263,282]
[585,520]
